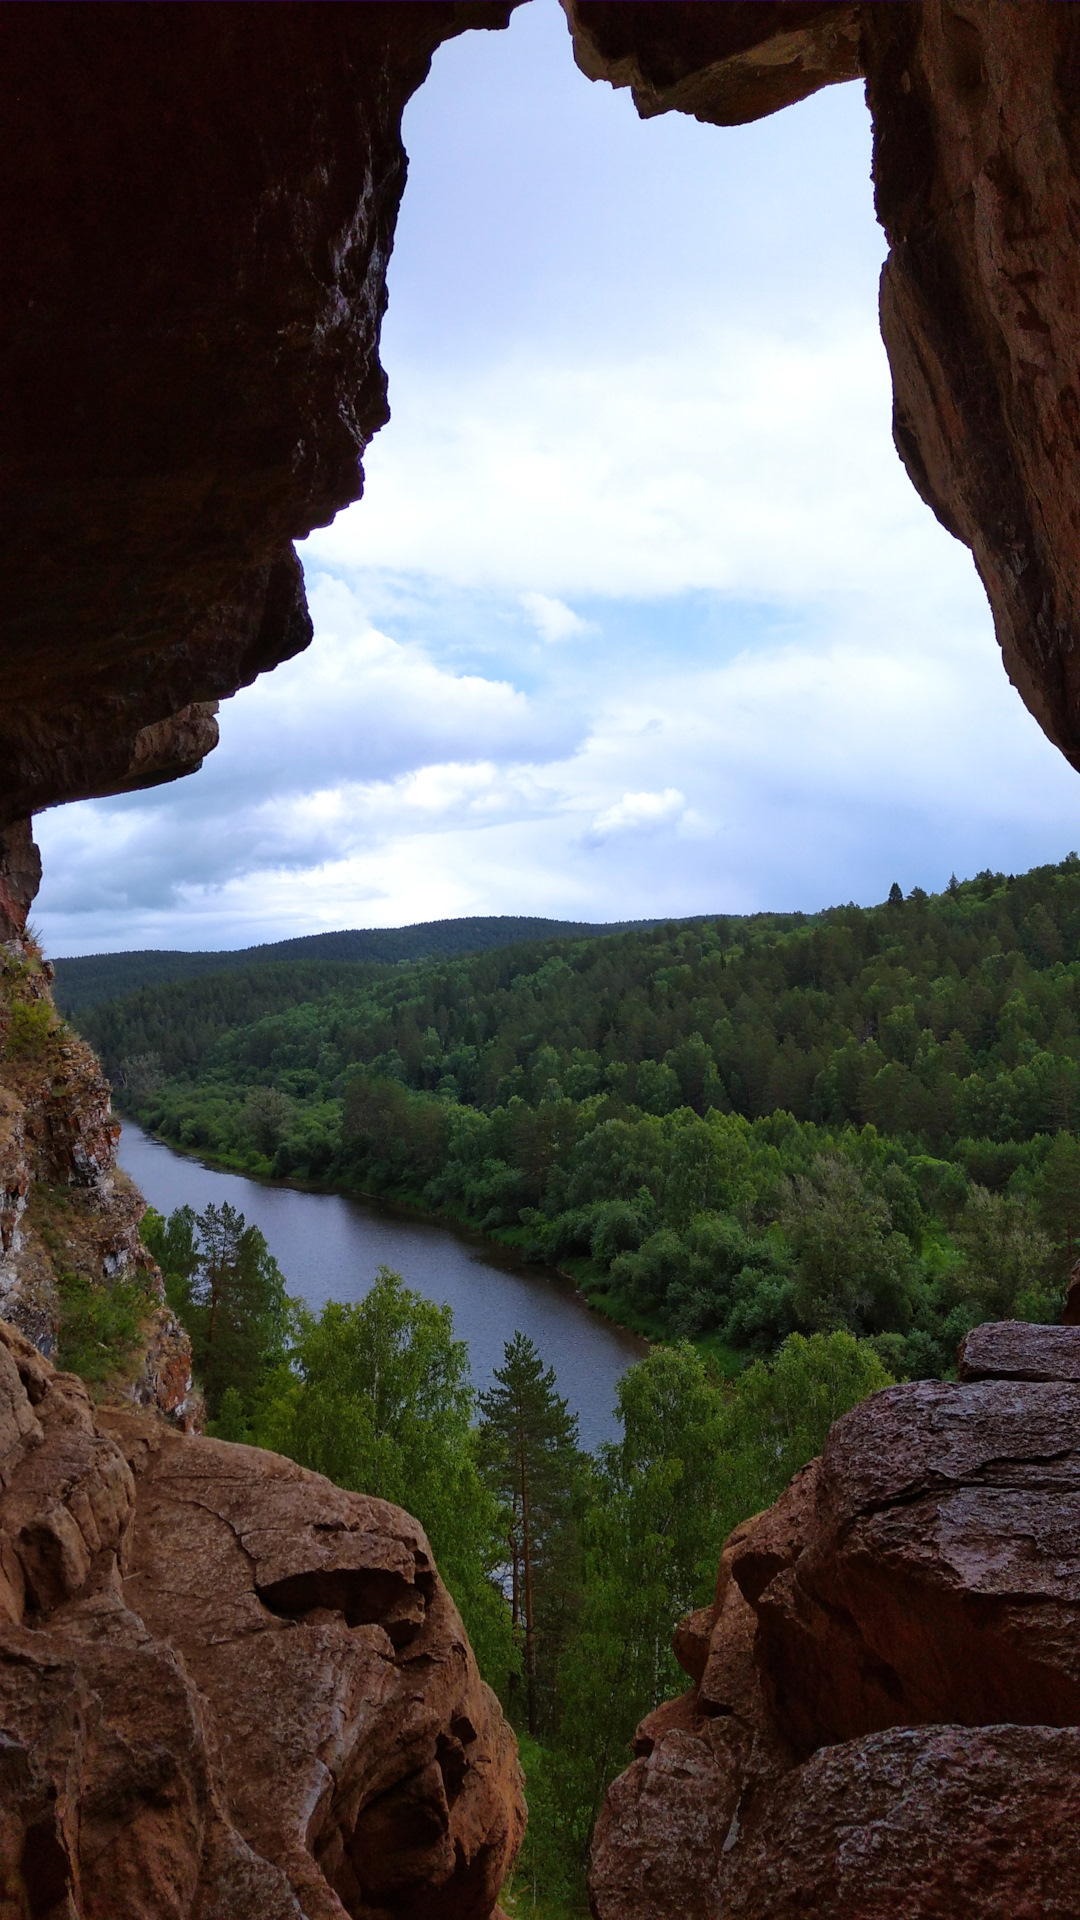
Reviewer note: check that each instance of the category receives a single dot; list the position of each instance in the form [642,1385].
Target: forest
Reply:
[727,1131]
[570,1570]
[803,1154]
[88,979]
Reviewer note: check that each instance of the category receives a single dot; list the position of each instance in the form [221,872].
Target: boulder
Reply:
[886,1721]
[227,1688]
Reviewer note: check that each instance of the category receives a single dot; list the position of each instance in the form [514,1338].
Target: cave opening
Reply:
[639,612]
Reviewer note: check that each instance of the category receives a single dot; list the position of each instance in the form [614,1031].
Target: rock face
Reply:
[885,1719]
[196,216]
[68,1215]
[226,1688]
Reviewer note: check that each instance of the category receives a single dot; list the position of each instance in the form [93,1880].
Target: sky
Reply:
[639,614]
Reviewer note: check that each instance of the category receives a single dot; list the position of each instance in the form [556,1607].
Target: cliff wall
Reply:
[69,1217]
[227,1688]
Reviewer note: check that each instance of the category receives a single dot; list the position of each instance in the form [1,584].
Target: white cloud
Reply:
[638,812]
[639,399]
[554,620]
[732,460]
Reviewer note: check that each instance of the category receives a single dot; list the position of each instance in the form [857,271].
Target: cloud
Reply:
[731,460]
[637,813]
[639,399]
[554,620]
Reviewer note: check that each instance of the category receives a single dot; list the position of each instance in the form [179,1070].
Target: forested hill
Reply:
[88,979]
[734,1128]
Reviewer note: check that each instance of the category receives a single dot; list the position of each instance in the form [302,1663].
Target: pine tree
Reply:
[530,1457]
[238,1305]
[1059,1200]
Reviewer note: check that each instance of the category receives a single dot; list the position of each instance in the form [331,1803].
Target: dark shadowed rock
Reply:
[916,1824]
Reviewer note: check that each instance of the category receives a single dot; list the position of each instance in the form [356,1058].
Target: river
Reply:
[330,1248]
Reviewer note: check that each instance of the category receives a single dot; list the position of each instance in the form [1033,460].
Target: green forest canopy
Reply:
[87,979]
[729,1130]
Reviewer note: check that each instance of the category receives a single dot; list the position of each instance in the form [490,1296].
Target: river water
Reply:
[330,1248]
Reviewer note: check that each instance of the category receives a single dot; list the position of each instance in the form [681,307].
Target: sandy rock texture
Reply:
[885,1716]
[227,1688]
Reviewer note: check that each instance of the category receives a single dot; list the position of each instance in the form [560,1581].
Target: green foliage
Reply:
[232,1421]
[90,979]
[651,1536]
[237,1309]
[174,1245]
[729,1129]
[528,1449]
[100,1324]
[30,1024]
[1005,1261]
[780,1414]
[694,1460]
[227,1290]
[377,1397]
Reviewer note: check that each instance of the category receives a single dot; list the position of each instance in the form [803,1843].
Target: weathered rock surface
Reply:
[885,1719]
[196,216]
[1016,1350]
[227,1688]
[65,1206]
[916,1824]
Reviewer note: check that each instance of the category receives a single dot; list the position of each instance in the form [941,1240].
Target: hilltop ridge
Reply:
[84,980]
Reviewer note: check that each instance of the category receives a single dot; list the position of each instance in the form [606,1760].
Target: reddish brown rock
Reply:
[916,1824]
[197,210]
[941,1577]
[887,1722]
[659,1843]
[226,1688]
[725,65]
[1016,1350]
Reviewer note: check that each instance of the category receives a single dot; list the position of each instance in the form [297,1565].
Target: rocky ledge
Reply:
[885,1716]
[69,1217]
[226,1687]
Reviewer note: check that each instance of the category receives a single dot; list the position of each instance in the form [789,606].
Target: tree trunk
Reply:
[530,1645]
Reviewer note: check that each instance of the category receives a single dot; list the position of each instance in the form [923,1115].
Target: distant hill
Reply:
[88,979]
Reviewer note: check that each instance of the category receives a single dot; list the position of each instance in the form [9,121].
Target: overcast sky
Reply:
[639,614]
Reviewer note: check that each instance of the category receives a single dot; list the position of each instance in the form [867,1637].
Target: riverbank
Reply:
[589,1281]
[330,1245]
